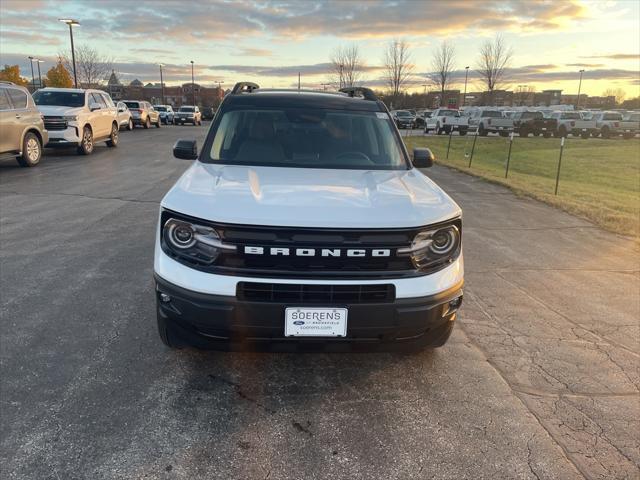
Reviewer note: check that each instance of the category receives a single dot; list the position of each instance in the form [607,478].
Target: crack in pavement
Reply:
[78,195]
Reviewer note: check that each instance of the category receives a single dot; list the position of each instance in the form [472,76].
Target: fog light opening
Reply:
[164,298]
[453,306]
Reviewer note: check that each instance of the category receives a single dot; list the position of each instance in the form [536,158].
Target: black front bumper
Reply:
[212,321]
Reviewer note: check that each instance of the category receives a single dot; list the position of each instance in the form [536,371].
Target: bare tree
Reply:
[442,66]
[346,65]
[92,67]
[619,93]
[397,65]
[495,58]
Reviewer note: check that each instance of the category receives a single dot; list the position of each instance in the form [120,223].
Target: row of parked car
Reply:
[486,120]
[69,117]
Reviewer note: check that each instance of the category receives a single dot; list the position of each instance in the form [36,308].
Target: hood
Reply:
[306,197]
[58,110]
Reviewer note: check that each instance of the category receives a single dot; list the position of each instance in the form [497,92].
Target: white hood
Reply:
[307,197]
[58,110]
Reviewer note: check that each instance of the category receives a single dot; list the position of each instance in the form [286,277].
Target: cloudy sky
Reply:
[270,42]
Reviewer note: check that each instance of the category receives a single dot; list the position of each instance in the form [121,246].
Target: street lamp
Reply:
[425,94]
[71,22]
[33,80]
[161,82]
[39,74]
[193,88]
[579,87]
[466,76]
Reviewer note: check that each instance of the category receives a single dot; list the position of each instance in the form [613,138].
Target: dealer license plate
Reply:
[315,322]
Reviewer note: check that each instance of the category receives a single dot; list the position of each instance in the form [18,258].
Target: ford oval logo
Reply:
[298,322]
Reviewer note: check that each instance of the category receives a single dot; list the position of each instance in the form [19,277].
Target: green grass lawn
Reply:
[599,179]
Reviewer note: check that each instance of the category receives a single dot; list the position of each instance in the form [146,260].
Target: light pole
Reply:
[425,94]
[579,87]
[33,80]
[71,22]
[341,68]
[161,82]
[39,74]
[193,88]
[466,76]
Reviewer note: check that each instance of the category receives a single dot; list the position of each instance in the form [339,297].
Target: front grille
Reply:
[295,266]
[321,294]
[55,123]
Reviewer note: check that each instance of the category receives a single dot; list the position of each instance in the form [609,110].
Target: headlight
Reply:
[70,118]
[191,242]
[433,248]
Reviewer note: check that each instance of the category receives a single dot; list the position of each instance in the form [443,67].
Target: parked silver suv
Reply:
[143,113]
[21,126]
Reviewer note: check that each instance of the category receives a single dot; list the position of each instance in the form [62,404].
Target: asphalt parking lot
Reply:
[539,381]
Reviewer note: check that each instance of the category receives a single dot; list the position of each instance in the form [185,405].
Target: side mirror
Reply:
[423,158]
[121,109]
[94,106]
[185,149]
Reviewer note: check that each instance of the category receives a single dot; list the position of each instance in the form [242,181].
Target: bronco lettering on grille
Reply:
[318,252]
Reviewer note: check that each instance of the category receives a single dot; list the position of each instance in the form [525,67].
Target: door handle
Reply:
[18,115]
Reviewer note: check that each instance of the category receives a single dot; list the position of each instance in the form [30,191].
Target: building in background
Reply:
[173,95]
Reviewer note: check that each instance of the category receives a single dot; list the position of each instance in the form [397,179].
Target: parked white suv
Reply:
[78,117]
[304,222]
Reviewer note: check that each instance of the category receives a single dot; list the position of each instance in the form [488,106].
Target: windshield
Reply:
[160,109]
[132,104]
[633,117]
[448,113]
[64,99]
[571,116]
[186,109]
[309,137]
[491,114]
[527,115]
[612,116]
[403,113]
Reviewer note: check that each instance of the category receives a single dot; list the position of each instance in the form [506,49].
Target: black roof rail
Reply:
[365,92]
[244,87]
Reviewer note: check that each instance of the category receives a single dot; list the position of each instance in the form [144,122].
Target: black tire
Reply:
[605,132]
[158,123]
[462,132]
[166,334]
[627,135]
[524,132]
[481,131]
[130,125]
[546,134]
[147,123]
[585,135]
[562,131]
[438,129]
[31,151]
[113,138]
[503,134]
[86,143]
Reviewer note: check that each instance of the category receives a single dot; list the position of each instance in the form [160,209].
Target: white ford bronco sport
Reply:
[304,223]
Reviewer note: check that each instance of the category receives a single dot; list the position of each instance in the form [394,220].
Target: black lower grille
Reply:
[325,294]
[55,123]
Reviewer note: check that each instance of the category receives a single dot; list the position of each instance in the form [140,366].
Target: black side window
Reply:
[4,100]
[18,98]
